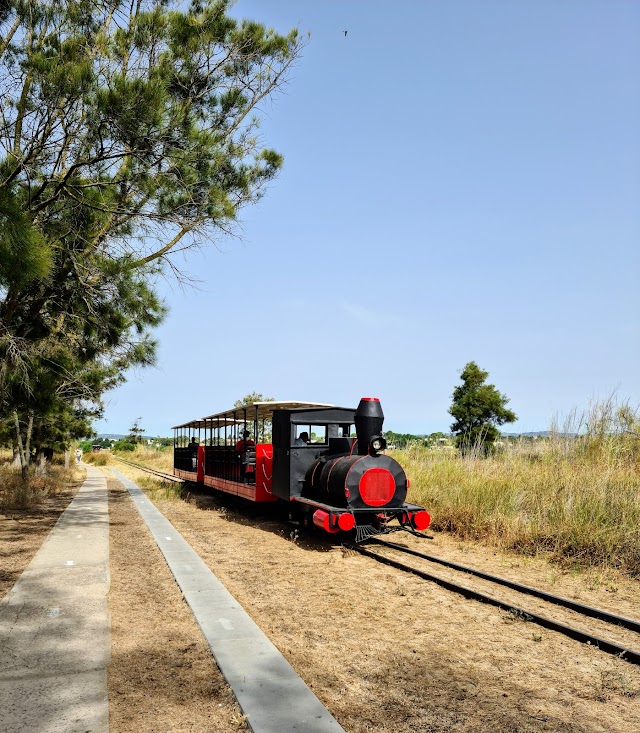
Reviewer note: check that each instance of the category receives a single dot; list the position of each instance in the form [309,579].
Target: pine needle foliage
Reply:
[478,408]
[128,132]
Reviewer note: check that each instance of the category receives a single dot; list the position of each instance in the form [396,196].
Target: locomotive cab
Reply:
[325,427]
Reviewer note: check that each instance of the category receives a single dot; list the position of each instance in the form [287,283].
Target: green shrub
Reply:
[123,445]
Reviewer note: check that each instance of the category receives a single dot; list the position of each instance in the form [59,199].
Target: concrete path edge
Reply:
[273,697]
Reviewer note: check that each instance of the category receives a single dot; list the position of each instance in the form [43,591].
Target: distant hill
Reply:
[117,436]
[539,434]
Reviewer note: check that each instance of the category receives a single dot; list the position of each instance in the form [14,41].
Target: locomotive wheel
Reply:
[301,514]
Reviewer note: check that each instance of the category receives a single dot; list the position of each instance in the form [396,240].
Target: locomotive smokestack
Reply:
[368,419]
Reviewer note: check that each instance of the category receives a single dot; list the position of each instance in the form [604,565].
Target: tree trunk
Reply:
[15,463]
[67,459]
[41,463]
[44,456]
[23,458]
[27,444]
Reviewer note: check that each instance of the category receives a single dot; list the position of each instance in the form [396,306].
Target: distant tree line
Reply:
[121,444]
[402,440]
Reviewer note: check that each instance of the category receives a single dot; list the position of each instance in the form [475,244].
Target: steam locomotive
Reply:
[304,454]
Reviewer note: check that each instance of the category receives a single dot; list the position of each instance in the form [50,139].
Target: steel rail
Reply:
[161,474]
[610,618]
[628,655]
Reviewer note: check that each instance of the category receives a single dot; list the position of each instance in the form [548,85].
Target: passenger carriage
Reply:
[187,464]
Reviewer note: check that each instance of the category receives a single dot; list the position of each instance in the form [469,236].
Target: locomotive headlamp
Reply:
[377,443]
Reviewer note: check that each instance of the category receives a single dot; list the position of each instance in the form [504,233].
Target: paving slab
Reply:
[210,599]
[251,659]
[76,579]
[272,696]
[75,703]
[55,637]
[298,711]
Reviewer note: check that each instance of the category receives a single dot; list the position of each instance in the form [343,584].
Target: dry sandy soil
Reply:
[384,651]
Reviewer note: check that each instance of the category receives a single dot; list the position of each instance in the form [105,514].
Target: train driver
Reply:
[302,439]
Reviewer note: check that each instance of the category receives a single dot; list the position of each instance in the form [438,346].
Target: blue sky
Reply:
[461,182]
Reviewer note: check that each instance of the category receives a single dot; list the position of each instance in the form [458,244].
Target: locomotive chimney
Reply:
[368,419]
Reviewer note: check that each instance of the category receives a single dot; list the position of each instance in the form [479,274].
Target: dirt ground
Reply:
[384,651]
[162,676]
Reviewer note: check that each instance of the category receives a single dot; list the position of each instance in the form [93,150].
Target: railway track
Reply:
[161,474]
[610,647]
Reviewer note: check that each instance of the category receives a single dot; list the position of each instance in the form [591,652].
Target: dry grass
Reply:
[20,494]
[162,676]
[575,497]
[392,654]
[97,459]
[160,459]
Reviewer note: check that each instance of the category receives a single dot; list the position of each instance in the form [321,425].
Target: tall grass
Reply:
[575,494]
[16,493]
[160,459]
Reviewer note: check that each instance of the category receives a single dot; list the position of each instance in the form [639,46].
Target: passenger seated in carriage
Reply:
[244,442]
[247,469]
[193,447]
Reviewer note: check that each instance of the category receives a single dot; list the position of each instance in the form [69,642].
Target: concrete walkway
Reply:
[271,694]
[55,638]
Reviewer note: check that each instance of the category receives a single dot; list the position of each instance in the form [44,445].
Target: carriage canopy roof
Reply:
[195,424]
[264,410]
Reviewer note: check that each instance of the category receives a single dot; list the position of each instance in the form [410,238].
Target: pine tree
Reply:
[250,398]
[478,408]
[126,133]
[136,431]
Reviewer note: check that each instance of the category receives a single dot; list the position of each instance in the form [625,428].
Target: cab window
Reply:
[315,434]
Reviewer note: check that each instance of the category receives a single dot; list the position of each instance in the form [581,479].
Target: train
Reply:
[326,464]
